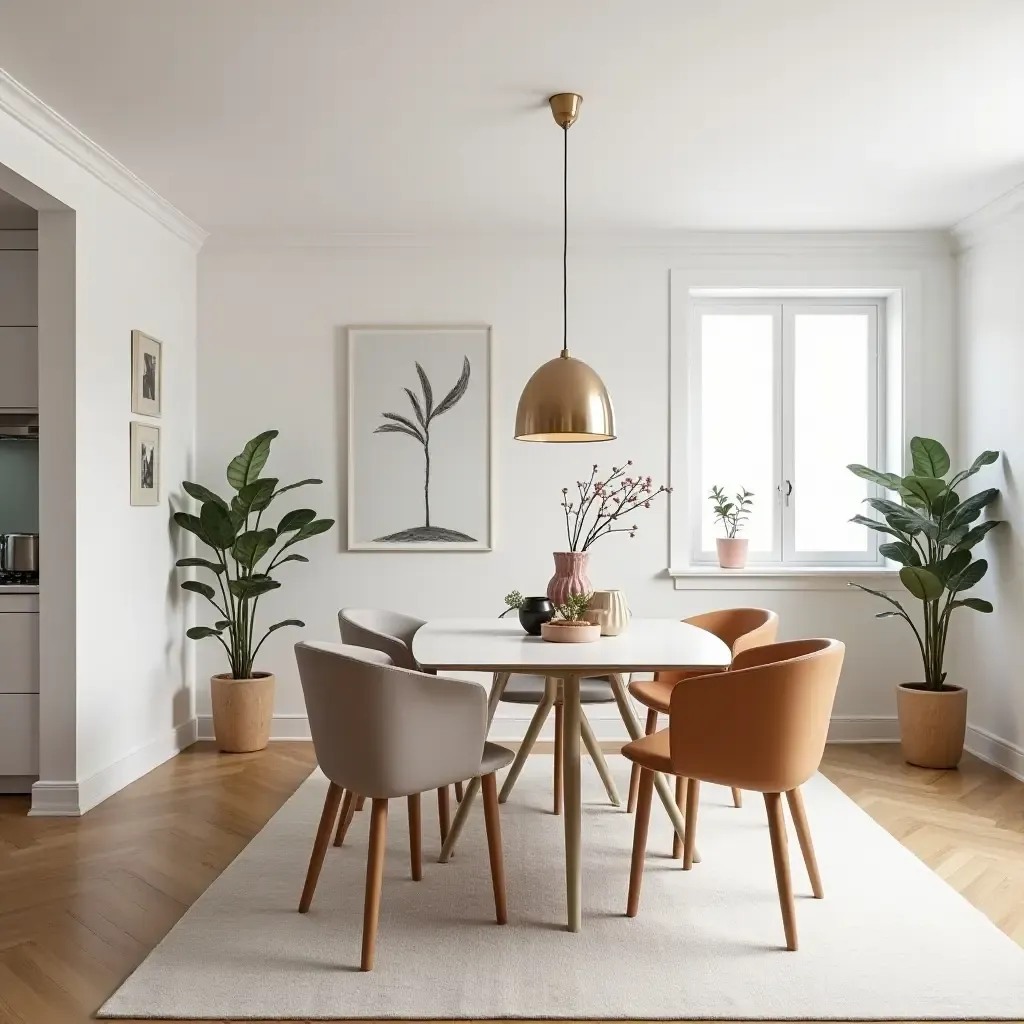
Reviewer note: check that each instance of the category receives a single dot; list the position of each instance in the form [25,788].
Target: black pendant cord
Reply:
[565,240]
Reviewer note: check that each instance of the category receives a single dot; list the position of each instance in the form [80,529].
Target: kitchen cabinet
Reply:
[19,368]
[19,689]
[19,289]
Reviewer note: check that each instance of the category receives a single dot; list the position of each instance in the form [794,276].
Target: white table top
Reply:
[500,645]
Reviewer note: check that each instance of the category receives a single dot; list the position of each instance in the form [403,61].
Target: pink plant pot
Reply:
[732,552]
[570,576]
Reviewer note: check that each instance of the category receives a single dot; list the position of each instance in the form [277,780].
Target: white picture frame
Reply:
[147,375]
[404,494]
[144,463]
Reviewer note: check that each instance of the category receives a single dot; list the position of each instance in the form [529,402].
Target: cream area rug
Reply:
[890,940]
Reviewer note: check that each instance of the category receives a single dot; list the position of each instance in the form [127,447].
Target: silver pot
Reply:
[19,552]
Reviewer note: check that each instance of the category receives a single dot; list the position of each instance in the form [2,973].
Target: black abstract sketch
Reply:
[149,376]
[418,427]
[146,474]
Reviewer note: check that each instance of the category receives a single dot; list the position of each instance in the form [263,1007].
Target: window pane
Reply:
[830,429]
[737,419]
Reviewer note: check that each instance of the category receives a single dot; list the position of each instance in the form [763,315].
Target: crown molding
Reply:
[975,227]
[678,243]
[30,111]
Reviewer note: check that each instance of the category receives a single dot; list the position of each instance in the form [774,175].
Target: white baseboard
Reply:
[605,721]
[70,799]
[999,752]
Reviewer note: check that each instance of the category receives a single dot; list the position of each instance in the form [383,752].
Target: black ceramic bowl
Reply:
[535,611]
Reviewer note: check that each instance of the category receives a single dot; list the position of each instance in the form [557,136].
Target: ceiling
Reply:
[322,116]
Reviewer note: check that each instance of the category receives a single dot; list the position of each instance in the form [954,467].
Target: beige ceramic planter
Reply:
[569,633]
[732,552]
[609,610]
[932,724]
[242,711]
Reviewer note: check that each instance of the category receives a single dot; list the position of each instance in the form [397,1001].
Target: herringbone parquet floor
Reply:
[82,901]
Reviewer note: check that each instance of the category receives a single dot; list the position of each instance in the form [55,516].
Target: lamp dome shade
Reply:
[565,400]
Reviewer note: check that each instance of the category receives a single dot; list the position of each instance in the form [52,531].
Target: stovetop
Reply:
[18,579]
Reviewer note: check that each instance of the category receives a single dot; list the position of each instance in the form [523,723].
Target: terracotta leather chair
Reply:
[761,726]
[392,633]
[384,732]
[740,628]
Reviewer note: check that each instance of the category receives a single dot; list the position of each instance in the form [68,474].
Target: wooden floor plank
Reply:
[83,900]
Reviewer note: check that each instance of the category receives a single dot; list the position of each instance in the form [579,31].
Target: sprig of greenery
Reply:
[731,513]
[239,550]
[513,602]
[933,539]
[574,608]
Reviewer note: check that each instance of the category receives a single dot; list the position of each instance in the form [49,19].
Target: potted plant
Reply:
[598,511]
[533,611]
[933,540]
[732,513]
[245,553]
[569,625]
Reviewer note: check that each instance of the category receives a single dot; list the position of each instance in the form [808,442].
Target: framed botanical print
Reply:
[145,464]
[147,374]
[419,438]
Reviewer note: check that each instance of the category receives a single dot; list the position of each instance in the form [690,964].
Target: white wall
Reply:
[116,676]
[987,651]
[271,355]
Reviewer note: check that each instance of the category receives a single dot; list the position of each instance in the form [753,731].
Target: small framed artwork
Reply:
[147,374]
[145,464]
[420,439]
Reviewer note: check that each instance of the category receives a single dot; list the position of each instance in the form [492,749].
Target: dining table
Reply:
[502,648]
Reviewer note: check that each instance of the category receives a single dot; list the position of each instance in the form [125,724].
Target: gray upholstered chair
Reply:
[382,731]
[392,633]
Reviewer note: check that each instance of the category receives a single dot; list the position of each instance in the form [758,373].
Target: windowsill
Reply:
[777,577]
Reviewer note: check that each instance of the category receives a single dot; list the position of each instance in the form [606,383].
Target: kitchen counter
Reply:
[19,589]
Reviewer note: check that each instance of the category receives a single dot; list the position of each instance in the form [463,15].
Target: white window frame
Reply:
[786,495]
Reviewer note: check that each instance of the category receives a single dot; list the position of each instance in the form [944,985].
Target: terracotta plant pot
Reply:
[570,576]
[242,711]
[732,552]
[570,632]
[608,609]
[932,724]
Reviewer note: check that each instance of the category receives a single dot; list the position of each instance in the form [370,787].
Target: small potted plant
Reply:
[932,539]
[245,553]
[533,611]
[569,626]
[732,513]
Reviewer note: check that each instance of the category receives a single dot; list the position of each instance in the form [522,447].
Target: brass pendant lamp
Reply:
[565,400]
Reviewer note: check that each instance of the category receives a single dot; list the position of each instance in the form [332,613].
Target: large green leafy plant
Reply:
[933,540]
[245,552]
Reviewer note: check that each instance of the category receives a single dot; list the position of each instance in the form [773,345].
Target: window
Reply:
[784,395]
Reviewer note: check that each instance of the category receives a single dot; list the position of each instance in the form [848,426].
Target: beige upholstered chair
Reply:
[392,633]
[761,726]
[383,732]
[740,628]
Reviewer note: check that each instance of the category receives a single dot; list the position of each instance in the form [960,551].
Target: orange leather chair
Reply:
[761,726]
[741,629]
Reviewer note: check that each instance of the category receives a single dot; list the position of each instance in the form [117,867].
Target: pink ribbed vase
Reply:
[570,576]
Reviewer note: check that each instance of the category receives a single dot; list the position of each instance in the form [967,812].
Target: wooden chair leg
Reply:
[559,739]
[634,772]
[677,843]
[690,839]
[415,838]
[374,881]
[492,823]
[737,797]
[348,809]
[320,844]
[645,789]
[359,803]
[458,792]
[780,854]
[803,835]
[444,815]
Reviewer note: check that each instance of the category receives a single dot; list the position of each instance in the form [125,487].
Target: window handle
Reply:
[786,489]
